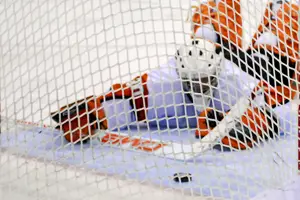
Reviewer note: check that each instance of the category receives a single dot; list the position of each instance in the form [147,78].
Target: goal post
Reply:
[298,103]
[106,99]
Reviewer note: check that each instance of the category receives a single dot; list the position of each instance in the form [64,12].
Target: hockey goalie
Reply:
[200,84]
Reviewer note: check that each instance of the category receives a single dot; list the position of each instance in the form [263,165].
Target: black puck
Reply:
[182,177]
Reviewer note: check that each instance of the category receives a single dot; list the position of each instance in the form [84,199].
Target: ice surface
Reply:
[215,174]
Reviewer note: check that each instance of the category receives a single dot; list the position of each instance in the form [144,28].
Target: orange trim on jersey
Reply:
[225,17]
[141,102]
[123,91]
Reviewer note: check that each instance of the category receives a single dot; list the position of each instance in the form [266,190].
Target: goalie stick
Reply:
[172,150]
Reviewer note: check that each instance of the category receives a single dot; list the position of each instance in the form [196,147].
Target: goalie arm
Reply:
[80,119]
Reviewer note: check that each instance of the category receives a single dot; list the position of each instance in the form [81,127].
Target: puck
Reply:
[182,177]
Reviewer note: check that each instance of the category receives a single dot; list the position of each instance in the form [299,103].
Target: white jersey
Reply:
[168,104]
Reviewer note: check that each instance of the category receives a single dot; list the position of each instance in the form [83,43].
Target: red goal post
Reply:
[54,52]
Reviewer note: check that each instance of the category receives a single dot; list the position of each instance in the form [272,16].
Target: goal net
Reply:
[172,99]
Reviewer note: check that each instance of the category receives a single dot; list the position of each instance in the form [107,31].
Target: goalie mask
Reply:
[197,67]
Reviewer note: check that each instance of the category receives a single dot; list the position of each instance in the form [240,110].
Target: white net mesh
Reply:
[146,106]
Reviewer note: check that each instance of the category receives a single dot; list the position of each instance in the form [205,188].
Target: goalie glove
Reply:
[78,121]
[257,124]
[75,120]
[197,66]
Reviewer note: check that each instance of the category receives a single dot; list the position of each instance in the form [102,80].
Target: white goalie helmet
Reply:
[197,65]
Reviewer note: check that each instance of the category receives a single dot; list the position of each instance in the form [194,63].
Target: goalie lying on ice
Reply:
[194,89]
[169,97]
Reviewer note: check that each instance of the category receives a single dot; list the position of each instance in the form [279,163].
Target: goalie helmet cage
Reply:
[56,52]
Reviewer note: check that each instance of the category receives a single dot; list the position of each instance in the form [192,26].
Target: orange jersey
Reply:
[225,18]
[284,24]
